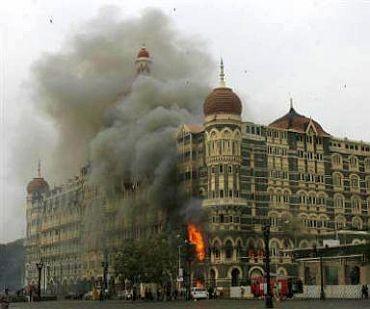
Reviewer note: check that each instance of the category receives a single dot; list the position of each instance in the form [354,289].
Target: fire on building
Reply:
[289,174]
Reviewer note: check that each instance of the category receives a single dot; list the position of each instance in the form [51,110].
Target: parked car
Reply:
[199,293]
[88,296]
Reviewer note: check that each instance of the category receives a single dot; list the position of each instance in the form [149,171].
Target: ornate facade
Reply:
[307,184]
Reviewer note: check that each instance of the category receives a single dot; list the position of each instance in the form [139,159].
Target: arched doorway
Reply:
[355,275]
[229,250]
[198,278]
[235,277]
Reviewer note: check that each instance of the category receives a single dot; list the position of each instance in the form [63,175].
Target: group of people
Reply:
[364,291]
[148,294]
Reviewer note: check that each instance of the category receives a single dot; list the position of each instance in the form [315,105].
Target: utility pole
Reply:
[105,265]
[322,292]
[268,296]
[39,266]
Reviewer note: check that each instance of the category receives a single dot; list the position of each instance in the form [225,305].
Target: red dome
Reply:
[222,100]
[37,184]
[143,53]
[296,122]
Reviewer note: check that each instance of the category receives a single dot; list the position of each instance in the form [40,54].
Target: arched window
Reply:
[302,196]
[239,249]
[286,197]
[251,247]
[367,183]
[357,223]
[336,161]
[273,219]
[305,220]
[355,182]
[353,163]
[312,222]
[271,195]
[340,222]
[337,180]
[367,164]
[339,201]
[311,198]
[216,250]
[235,274]
[323,221]
[279,197]
[321,200]
[355,275]
[274,248]
[356,204]
[229,250]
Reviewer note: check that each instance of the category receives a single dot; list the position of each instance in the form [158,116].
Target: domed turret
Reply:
[143,61]
[222,100]
[38,184]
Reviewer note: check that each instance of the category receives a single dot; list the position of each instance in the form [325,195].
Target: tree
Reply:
[294,228]
[147,260]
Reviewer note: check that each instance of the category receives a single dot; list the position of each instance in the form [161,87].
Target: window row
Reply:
[354,181]
[353,162]
[310,155]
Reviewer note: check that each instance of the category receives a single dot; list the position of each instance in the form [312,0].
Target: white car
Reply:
[199,293]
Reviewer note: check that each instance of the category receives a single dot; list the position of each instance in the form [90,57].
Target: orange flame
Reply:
[196,238]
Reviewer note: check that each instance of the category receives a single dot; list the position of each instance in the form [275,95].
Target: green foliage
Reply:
[147,260]
[294,228]
[11,264]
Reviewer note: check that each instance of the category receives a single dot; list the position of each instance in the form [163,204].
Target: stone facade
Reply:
[292,174]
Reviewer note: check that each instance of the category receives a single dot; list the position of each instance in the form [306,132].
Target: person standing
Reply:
[364,291]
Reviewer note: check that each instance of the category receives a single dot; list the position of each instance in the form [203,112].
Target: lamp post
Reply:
[268,297]
[105,265]
[189,259]
[39,266]
[322,292]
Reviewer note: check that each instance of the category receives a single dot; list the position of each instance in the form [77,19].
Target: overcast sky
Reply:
[318,52]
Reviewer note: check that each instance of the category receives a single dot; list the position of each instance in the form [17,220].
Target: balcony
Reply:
[224,201]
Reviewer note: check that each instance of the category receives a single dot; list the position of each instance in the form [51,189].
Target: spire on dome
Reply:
[39,169]
[222,74]
[291,103]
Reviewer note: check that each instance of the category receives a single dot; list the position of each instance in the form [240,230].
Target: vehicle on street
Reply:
[199,293]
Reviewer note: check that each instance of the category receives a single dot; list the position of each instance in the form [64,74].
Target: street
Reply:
[214,304]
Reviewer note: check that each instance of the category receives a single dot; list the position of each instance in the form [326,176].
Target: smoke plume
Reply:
[124,124]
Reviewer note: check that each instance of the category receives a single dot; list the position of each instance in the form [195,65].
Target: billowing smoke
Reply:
[123,124]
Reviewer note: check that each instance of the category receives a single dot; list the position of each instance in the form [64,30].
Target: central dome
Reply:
[37,184]
[222,100]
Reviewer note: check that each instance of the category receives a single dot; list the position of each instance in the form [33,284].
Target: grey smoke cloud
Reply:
[124,124]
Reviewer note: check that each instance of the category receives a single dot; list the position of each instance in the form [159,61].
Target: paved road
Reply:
[205,304]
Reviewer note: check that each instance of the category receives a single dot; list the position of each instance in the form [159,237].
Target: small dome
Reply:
[37,184]
[143,53]
[296,122]
[222,100]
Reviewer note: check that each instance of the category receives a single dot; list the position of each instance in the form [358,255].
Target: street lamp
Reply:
[105,266]
[268,297]
[322,292]
[39,266]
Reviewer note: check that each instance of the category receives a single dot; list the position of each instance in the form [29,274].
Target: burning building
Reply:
[72,228]
[292,174]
